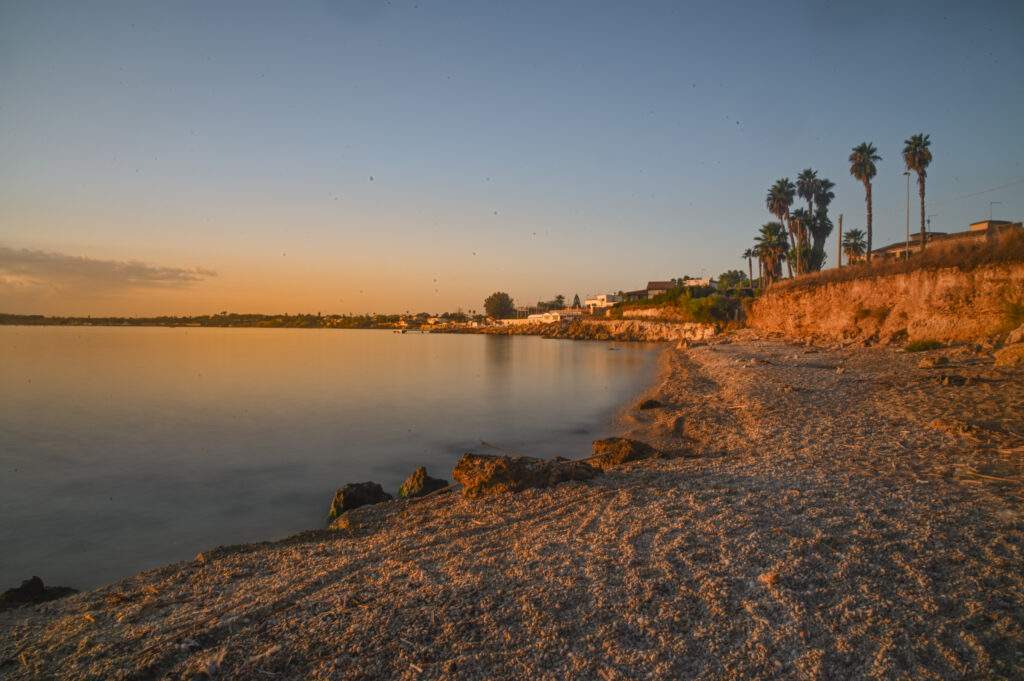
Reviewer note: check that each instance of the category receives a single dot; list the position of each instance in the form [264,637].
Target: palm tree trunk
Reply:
[920,181]
[867,197]
[750,269]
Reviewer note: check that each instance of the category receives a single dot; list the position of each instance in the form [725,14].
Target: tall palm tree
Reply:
[806,187]
[862,166]
[749,255]
[854,245]
[917,156]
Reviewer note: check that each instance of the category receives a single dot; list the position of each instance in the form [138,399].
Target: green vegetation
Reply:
[688,303]
[923,345]
[732,279]
[499,305]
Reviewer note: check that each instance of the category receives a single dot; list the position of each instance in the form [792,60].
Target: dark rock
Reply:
[482,475]
[615,451]
[33,591]
[420,484]
[930,362]
[649,404]
[356,494]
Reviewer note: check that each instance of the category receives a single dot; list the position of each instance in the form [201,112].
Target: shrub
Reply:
[923,345]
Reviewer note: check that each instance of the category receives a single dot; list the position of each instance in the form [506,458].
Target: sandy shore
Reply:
[830,514]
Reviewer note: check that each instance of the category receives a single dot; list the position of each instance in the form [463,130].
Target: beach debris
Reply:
[615,451]
[649,404]
[420,484]
[356,494]
[32,591]
[482,475]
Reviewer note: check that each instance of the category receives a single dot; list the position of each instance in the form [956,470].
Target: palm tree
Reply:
[778,201]
[749,255]
[854,245]
[806,187]
[772,246]
[862,166]
[821,226]
[917,156]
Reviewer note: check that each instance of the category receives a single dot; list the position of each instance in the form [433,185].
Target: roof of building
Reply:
[660,286]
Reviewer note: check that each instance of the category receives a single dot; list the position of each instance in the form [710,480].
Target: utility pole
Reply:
[907,256]
[839,248]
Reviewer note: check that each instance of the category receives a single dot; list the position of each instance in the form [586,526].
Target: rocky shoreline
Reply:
[626,330]
[822,512]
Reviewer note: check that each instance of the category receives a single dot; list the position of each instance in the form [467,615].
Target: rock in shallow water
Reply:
[482,475]
[356,494]
[33,591]
[420,484]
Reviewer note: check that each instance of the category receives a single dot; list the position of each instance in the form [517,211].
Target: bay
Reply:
[124,449]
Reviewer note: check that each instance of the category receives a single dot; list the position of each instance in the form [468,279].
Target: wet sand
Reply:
[829,513]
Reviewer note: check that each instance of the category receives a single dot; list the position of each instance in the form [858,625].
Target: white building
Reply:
[602,301]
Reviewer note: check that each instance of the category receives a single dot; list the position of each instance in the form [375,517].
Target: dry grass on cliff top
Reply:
[963,255]
[834,515]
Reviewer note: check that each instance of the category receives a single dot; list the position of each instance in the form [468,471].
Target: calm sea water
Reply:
[124,449]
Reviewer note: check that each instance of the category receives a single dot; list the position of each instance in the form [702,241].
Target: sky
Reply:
[188,157]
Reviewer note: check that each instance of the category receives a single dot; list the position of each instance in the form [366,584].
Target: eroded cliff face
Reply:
[945,305]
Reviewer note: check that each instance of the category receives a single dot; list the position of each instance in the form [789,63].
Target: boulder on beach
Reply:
[1011,355]
[649,404]
[420,484]
[32,591]
[615,451]
[356,494]
[482,475]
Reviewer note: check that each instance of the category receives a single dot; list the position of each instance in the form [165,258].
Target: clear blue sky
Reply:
[190,157]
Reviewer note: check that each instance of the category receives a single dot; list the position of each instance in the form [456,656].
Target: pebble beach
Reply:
[824,512]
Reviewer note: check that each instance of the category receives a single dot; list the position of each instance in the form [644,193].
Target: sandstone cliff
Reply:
[942,304]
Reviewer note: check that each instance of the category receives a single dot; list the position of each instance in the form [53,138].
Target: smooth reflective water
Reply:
[123,449]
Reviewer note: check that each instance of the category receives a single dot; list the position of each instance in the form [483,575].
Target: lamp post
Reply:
[990,204]
[930,222]
[907,257]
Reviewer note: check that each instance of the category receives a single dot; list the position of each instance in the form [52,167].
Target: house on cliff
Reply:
[655,288]
[986,229]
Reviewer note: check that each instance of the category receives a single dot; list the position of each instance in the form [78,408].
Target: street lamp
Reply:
[907,173]
[930,221]
[990,204]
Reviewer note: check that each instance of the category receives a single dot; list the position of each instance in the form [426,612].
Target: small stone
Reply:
[649,404]
[768,578]
[929,362]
